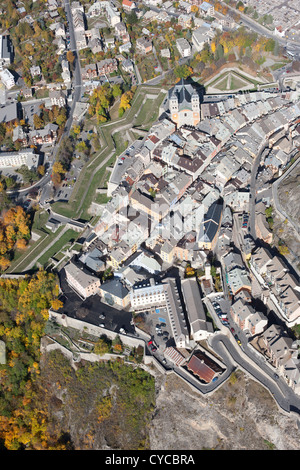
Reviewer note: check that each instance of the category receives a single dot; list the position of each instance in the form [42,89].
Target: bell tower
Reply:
[173,104]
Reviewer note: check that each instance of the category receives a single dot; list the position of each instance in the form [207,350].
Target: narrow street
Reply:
[77,81]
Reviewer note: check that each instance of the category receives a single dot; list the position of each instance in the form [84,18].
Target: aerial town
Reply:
[157,216]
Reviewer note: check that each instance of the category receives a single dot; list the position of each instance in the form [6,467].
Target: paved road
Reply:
[260,29]
[77,84]
[282,394]
[76,97]
[234,357]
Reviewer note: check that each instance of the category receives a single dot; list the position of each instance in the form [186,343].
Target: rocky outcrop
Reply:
[241,415]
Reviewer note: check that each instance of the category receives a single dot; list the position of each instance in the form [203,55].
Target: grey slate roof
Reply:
[92,259]
[116,288]
[183,90]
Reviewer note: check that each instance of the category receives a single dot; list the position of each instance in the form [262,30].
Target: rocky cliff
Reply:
[289,200]
[241,415]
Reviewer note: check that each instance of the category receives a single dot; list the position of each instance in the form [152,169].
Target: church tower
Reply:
[173,103]
[195,108]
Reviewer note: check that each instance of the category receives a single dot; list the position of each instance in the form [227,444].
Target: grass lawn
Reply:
[221,85]
[149,112]
[69,235]
[102,199]
[238,80]
[112,141]
[40,219]
[236,83]
[32,251]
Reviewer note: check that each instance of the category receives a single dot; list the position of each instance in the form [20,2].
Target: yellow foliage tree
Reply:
[4,263]
[126,99]
[57,304]
[104,409]
[58,168]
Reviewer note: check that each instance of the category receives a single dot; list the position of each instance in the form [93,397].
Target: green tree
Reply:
[270,45]
[116,90]
[81,146]
[183,71]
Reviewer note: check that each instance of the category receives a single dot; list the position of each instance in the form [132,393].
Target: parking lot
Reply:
[65,191]
[93,311]
[221,308]
[67,186]
[157,325]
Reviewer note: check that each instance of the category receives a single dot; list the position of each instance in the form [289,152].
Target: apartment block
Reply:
[83,283]
[146,294]
[184,47]
[200,329]
[25,157]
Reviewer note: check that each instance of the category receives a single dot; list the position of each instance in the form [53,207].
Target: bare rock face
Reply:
[289,194]
[289,199]
[241,415]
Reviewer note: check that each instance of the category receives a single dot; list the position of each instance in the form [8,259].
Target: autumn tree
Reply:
[21,244]
[58,167]
[70,57]
[41,170]
[37,121]
[102,347]
[125,101]
[81,146]
[56,179]
[56,304]
[76,130]
[183,71]
[14,233]
[24,312]
[104,408]
[116,90]
[4,263]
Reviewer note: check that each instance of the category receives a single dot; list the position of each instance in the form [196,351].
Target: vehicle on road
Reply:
[237,340]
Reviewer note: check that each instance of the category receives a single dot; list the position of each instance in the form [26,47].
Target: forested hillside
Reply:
[104,405]
[108,404]
[24,305]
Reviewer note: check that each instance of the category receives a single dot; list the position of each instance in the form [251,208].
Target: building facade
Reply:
[184,104]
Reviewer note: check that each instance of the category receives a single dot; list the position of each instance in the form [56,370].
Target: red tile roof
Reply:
[204,367]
